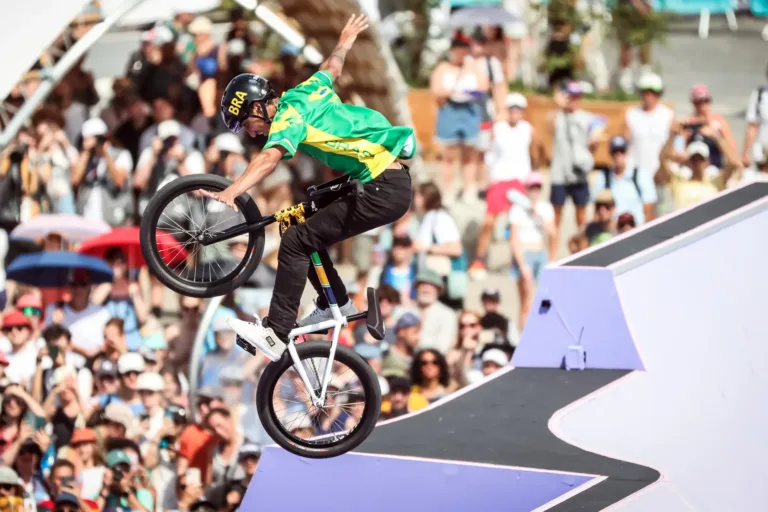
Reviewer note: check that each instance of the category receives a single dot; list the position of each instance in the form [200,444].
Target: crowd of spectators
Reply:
[98,411]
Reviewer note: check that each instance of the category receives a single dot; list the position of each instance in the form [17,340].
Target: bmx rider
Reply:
[357,141]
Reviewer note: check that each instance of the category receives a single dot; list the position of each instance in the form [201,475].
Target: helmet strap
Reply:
[265,114]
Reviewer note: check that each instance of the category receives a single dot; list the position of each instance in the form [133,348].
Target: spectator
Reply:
[102,177]
[399,271]
[28,465]
[20,417]
[646,126]
[54,156]
[438,321]
[19,347]
[533,239]
[454,84]
[703,116]
[515,153]
[85,320]
[32,307]
[196,441]
[430,375]
[225,352]
[575,139]
[90,460]
[401,399]
[494,359]
[629,16]
[625,222]
[11,491]
[121,488]
[138,120]
[248,458]
[438,242]
[107,383]
[164,110]
[633,189]
[57,353]
[228,442]
[756,136]
[210,59]
[123,297]
[490,300]
[602,228]
[130,366]
[166,160]
[150,386]
[118,421]
[696,180]
[399,355]
[63,408]
[62,472]
[241,31]
[760,170]
[461,359]
[225,156]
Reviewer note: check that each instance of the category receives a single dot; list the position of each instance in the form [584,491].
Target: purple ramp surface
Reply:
[354,482]
[577,306]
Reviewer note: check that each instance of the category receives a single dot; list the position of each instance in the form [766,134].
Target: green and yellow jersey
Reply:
[355,140]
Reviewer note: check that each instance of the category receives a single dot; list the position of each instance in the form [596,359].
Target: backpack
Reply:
[609,180]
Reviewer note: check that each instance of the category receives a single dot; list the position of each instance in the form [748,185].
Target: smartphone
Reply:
[34,421]
[53,351]
[68,481]
[193,478]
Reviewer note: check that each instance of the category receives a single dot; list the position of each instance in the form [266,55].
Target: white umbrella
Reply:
[73,228]
[151,11]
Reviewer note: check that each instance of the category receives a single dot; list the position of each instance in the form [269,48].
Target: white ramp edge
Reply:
[696,413]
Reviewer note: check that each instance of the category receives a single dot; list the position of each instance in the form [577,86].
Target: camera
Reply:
[100,140]
[117,476]
[169,142]
[17,155]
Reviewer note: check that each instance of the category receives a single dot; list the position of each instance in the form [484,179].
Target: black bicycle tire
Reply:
[268,417]
[245,204]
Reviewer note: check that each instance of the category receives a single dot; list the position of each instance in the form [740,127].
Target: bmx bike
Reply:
[319,399]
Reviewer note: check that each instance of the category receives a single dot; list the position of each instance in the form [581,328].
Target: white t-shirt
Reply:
[22,364]
[649,132]
[86,326]
[531,223]
[510,155]
[438,227]
[761,117]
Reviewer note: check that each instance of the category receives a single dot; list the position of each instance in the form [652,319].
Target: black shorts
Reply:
[578,192]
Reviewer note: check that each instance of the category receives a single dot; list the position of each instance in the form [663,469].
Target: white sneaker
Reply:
[253,335]
[320,315]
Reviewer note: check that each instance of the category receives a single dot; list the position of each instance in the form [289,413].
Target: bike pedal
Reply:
[245,345]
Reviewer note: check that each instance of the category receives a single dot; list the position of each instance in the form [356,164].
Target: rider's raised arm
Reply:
[259,168]
[335,63]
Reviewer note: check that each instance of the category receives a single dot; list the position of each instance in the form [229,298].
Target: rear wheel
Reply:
[189,267]
[349,412]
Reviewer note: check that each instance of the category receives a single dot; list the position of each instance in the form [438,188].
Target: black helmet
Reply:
[240,95]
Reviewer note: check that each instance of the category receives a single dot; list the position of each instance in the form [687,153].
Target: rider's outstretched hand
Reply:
[226,196]
[355,25]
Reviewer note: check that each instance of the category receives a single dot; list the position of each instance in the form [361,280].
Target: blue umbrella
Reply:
[54,269]
[487,15]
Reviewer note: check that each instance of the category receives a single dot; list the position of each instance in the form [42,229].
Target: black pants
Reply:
[386,199]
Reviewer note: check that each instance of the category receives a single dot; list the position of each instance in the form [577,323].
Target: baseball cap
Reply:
[130,362]
[200,25]
[8,476]
[534,179]
[229,142]
[29,300]
[495,355]
[155,341]
[573,88]
[82,435]
[408,319]
[700,92]
[700,148]
[120,413]
[626,219]
[158,35]
[429,276]
[15,318]
[516,100]
[117,457]
[67,498]
[618,143]
[249,450]
[169,128]
[211,393]
[150,381]
[650,82]
[491,294]
[107,369]
[94,127]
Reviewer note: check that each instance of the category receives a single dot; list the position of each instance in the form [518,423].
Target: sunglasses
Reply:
[428,362]
[14,327]
[7,487]
[468,325]
[79,284]
[604,205]
[30,311]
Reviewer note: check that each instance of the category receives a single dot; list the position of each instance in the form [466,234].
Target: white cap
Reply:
[169,128]
[229,142]
[650,82]
[236,47]
[158,35]
[698,147]
[130,362]
[200,25]
[94,127]
[495,355]
[516,100]
[150,381]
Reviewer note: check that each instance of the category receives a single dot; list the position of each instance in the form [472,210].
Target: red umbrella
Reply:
[127,239]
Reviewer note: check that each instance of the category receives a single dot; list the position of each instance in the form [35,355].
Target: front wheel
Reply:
[188,267]
[349,412]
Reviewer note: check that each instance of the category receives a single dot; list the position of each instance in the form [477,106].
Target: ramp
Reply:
[667,321]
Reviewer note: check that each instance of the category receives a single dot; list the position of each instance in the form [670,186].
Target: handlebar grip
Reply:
[359,190]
